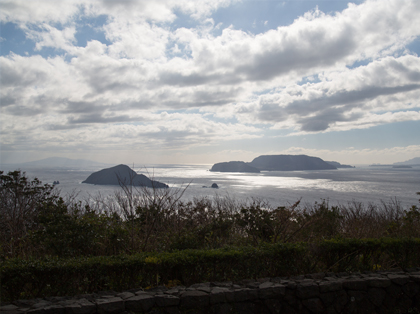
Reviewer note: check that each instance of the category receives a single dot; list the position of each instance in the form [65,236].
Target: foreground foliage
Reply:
[144,237]
[35,278]
[36,222]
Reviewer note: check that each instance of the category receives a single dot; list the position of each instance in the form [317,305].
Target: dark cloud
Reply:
[316,115]
[99,118]
[26,108]
[271,113]
[305,107]
[178,79]
[82,107]
[14,74]
[7,100]
[211,96]
[310,49]
[325,118]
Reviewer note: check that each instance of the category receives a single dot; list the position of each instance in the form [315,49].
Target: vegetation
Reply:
[144,236]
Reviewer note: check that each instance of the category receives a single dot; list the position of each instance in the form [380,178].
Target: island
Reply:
[290,163]
[122,175]
[233,166]
[275,163]
[338,165]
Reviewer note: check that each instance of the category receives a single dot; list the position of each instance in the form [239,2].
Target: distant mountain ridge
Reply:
[277,163]
[122,175]
[413,161]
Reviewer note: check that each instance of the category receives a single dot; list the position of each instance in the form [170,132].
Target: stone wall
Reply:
[393,292]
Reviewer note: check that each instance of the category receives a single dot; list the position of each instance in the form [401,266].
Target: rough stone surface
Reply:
[368,292]
[110,305]
[142,302]
[314,305]
[378,282]
[195,299]
[166,300]
[328,286]
[355,284]
[307,290]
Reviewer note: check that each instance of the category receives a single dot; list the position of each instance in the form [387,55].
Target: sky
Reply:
[206,81]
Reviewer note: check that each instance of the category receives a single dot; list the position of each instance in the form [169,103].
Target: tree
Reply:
[19,202]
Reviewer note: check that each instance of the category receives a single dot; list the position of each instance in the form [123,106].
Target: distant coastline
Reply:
[278,163]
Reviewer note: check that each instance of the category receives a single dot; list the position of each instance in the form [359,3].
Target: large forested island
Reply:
[276,163]
[122,175]
[233,166]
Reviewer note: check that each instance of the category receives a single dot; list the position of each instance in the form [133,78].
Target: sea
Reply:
[365,184]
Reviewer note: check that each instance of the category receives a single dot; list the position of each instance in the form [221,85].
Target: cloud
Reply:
[215,84]
[344,97]
[355,156]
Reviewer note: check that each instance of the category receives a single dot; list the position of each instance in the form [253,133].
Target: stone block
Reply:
[78,309]
[54,309]
[307,291]
[403,304]
[198,299]
[318,276]
[415,278]
[9,307]
[204,289]
[138,303]
[252,294]
[376,296]
[355,284]
[125,295]
[113,305]
[328,298]
[314,305]
[291,298]
[394,291]
[272,292]
[246,308]
[266,284]
[222,308]
[398,279]
[274,306]
[172,310]
[341,300]
[36,311]
[328,286]
[217,295]
[411,289]
[240,295]
[378,282]
[40,305]
[230,296]
[13,312]
[166,300]
[289,309]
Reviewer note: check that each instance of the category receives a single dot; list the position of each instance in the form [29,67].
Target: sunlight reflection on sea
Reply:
[364,184]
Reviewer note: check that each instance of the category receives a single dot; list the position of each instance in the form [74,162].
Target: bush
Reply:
[45,277]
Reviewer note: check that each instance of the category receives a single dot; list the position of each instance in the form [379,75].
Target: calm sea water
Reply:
[363,184]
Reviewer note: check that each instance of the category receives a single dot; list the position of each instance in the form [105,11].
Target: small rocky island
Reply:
[278,163]
[122,175]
